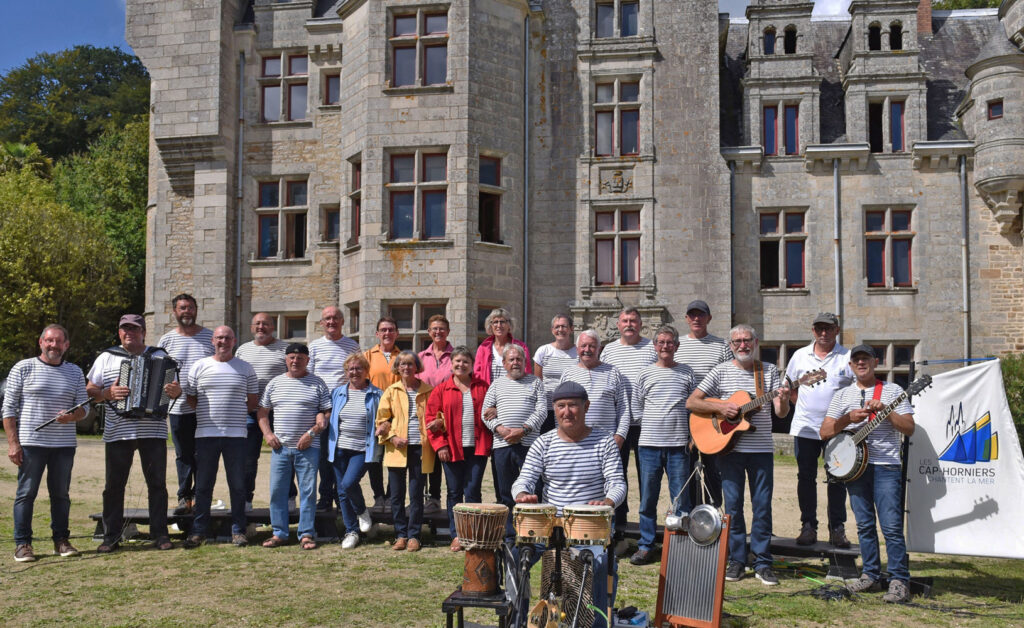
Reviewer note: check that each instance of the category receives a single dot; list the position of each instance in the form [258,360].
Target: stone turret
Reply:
[993,115]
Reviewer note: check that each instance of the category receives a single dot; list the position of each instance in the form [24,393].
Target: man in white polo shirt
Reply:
[811,403]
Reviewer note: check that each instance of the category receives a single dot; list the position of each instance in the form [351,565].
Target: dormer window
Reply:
[789,40]
[769,41]
[875,37]
[895,36]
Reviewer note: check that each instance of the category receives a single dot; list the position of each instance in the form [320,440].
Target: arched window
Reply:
[789,43]
[895,36]
[769,40]
[875,36]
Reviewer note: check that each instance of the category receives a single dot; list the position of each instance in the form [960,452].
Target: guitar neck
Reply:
[882,415]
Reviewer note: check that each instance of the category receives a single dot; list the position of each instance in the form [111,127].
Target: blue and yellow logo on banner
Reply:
[976,443]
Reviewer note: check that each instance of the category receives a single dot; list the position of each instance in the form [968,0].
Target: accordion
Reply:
[145,376]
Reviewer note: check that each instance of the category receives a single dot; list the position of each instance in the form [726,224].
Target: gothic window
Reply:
[875,36]
[789,40]
[769,41]
[895,36]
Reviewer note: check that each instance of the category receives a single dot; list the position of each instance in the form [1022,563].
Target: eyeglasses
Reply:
[736,342]
[499,321]
[665,343]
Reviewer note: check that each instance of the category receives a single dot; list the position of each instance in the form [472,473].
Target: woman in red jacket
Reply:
[458,434]
[499,326]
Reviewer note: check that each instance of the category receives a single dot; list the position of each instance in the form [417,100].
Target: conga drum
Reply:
[586,524]
[480,528]
[533,522]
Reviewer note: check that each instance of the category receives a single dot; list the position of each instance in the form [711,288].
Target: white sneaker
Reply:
[365,522]
[291,503]
[351,540]
[248,506]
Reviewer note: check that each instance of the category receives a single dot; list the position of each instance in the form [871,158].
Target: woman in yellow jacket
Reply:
[407,450]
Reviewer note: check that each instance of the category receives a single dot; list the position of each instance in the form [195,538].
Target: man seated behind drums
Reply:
[578,465]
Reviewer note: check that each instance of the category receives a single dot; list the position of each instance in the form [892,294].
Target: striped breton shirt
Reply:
[105,372]
[327,359]
[221,389]
[414,420]
[726,379]
[573,473]
[630,360]
[519,402]
[296,402]
[352,428]
[36,392]
[186,351]
[885,441]
[266,360]
[659,399]
[553,362]
[608,392]
[702,354]
[468,424]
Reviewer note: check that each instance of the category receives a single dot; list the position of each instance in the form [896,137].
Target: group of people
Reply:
[558,428]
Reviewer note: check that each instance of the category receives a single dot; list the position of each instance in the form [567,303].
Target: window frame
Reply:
[289,247]
[417,189]
[772,149]
[617,21]
[617,235]
[419,41]
[887,368]
[616,108]
[285,82]
[887,235]
[327,78]
[781,238]
[990,109]
[493,192]
[415,337]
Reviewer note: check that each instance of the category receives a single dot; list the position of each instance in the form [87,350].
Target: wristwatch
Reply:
[526,430]
[311,433]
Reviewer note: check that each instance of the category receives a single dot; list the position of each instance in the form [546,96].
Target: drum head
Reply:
[536,509]
[586,509]
[482,509]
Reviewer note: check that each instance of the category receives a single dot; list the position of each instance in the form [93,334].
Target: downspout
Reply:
[837,212]
[732,240]
[965,278]
[526,176]
[238,189]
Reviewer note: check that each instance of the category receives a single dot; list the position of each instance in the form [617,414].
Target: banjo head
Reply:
[841,455]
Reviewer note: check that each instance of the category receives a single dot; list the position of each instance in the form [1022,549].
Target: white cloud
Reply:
[831,7]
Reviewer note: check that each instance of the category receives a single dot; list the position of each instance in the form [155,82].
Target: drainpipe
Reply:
[965,278]
[526,176]
[238,189]
[732,239]
[837,207]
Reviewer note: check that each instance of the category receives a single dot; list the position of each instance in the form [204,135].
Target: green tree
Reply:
[62,101]
[15,156]
[56,265]
[1013,381]
[946,5]
[109,182]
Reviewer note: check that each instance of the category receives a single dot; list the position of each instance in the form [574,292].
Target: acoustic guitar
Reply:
[846,453]
[716,434]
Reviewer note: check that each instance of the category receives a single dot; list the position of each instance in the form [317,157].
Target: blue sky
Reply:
[35,26]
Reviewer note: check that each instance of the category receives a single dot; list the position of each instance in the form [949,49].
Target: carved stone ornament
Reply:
[616,181]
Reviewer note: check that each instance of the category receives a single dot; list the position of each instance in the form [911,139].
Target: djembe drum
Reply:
[480,528]
[587,524]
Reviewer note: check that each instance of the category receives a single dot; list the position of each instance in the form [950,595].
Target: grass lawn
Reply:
[373,586]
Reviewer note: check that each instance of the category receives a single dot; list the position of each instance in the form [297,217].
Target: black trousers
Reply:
[119,457]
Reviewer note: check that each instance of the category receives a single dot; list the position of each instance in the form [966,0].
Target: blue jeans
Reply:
[464,479]
[675,463]
[604,562]
[507,463]
[183,434]
[58,462]
[407,526]
[349,467]
[878,491]
[208,454]
[285,462]
[758,468]
[808,452]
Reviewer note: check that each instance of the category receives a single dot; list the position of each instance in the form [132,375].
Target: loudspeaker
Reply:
[691,584]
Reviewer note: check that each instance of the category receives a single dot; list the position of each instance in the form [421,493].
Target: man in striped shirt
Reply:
[123,436]
[752,454]
[300,402]
[631,353]
[223,390]
[186,343]
[702,352]
[578,464]
[327,356]
[265,354]
[879,489]
[659,401]
[39,389]
[514,409]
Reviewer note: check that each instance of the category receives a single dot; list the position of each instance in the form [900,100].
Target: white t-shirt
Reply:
[812,401]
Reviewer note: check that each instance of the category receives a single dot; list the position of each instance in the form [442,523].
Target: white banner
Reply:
[965,472]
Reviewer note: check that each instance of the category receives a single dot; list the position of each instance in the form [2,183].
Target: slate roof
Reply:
[953,46]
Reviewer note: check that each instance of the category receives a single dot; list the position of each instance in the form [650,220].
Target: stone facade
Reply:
[405,157]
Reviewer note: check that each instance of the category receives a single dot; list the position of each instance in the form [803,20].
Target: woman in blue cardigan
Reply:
[352,443]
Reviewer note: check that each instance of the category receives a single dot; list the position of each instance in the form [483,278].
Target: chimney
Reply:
[924,17]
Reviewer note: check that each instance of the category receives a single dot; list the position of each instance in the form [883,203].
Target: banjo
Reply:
[846,454]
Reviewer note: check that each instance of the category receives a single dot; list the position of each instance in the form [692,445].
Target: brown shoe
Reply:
[62,547]
[413,545]
[400,544]
[24,554]
[837,537]
[808,535]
